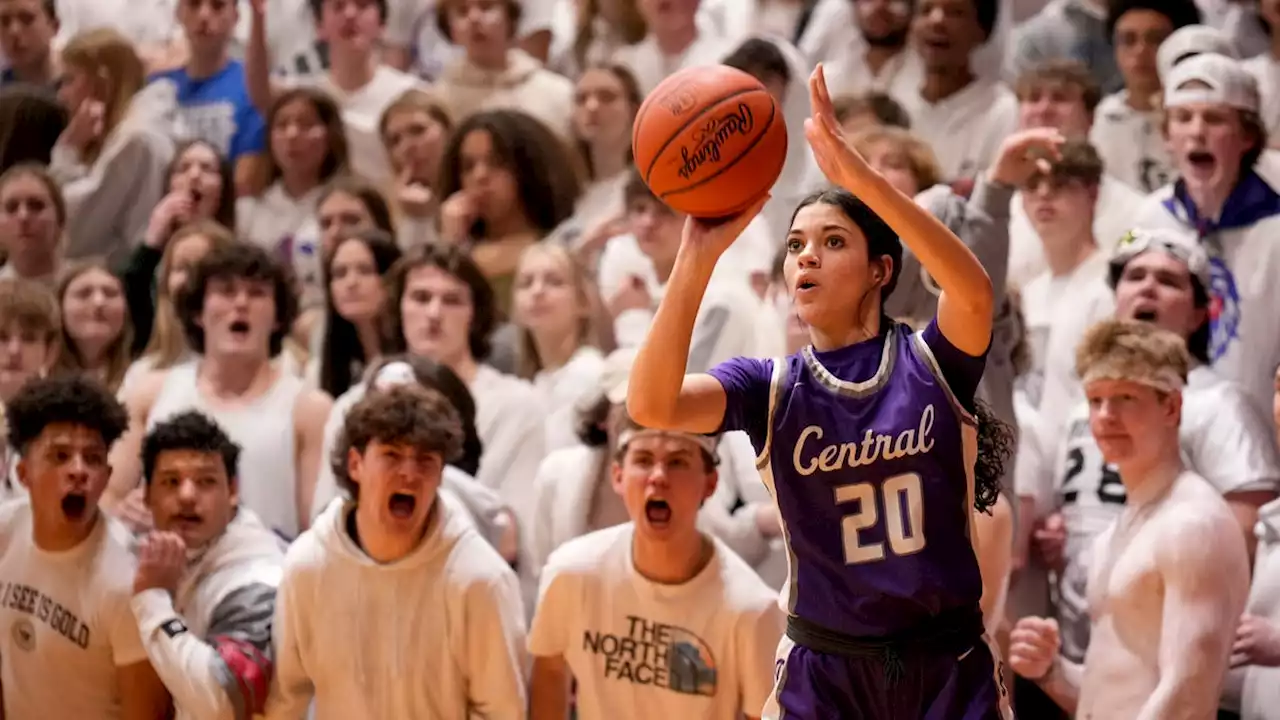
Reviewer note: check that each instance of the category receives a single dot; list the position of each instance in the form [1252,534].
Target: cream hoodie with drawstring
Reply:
[437,635]
[524,85]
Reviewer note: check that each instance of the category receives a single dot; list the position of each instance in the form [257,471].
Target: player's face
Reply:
[354,283]
[94,310]
[663,481]
[1057,105]
[24,354]
[26,31]
[1207,143]
[1137,37]
[488,177]
[350,24]
[191,495]
[890,159]
[435,314]
[397,484]
[239,316]
[1130,420]
[65,469]
[602,112]
[1156,287]
[827,271]
[545,300]
[946,32]
[208,23]
[198,172]
[1060,209]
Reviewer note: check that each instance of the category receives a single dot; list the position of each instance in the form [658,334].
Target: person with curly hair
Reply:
[71,649]
[392,605]
[205,588]
[235,309]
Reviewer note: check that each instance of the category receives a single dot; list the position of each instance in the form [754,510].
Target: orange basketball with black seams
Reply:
[709,141]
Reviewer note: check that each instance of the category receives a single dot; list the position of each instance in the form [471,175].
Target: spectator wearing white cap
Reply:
[1126,123]
[1161,277]
[1231,202]
[1265,68]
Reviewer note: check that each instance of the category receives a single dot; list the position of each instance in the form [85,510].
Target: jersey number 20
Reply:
[905,534]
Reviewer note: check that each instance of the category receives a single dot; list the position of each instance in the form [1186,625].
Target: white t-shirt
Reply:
[1058,311]
[639,649]
[651,66]
[561,389]
[66,619]
[967,128]
[1130,144]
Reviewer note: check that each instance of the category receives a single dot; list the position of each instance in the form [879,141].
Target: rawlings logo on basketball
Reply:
[708,140]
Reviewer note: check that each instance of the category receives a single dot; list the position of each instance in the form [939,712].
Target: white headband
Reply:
[706,443]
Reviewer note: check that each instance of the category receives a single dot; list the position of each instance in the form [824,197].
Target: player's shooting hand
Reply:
[710,238]
[837,159]
[1257,643]
[162,557]
[1050,540]
[1025,153]
[1033,647]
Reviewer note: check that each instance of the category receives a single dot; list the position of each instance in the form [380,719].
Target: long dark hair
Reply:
[341,347]
[435,376]
[996,441]
[881,239]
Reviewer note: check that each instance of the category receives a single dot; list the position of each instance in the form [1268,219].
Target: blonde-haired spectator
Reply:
[113,158]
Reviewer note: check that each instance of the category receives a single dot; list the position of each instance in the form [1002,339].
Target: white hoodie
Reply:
[211,643]
[1252,690]
[437,635]
[109,202]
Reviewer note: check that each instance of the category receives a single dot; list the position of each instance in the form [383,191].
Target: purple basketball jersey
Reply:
[864,451]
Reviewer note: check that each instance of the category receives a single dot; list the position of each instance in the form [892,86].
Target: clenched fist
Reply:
[162,558]
[1033,647]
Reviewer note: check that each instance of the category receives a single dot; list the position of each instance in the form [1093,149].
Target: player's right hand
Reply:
[1033,647]
[710,238]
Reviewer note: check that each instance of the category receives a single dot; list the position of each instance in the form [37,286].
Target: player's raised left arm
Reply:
[1206,580]
[965,306]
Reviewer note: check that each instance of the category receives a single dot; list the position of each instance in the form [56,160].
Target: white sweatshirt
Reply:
[437,635]
[109,202]
[211,643]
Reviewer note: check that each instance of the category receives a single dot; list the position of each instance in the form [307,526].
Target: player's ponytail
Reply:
[996,442]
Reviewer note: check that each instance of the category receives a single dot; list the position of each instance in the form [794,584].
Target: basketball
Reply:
[709,141]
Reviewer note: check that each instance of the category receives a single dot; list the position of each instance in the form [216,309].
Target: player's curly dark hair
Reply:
[408,414]
[72,398]
[190,430]
[996,441]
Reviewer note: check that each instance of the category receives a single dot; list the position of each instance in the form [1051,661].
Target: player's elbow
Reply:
[647,410]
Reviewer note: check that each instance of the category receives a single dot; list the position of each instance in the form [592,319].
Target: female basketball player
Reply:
[866,440]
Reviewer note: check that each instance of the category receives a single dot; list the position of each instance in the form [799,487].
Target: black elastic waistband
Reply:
[950,632]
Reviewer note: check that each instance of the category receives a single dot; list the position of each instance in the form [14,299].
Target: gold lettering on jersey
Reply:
[874,446]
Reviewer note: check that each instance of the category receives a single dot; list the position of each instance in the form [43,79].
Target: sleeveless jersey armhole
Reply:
[777,385]
[925,354]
